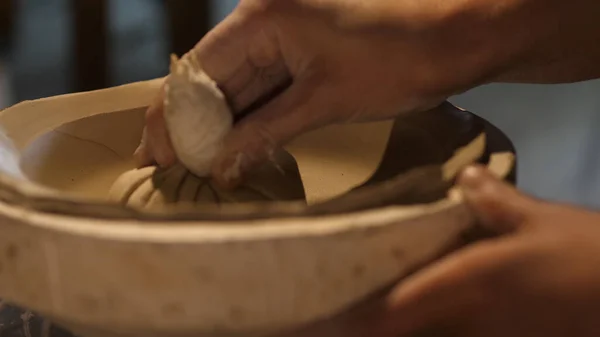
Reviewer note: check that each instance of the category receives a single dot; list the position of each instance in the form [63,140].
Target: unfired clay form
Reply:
[196,114]
[198,119]
[104,270]
[154,188]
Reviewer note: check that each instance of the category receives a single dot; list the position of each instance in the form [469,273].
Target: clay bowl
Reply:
[378,201]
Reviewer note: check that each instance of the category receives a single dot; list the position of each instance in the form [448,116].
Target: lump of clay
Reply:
[196,113]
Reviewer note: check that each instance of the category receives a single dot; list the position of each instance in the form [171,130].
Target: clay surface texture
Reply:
[153,187]
[196,114]
[198,119]
[343,213]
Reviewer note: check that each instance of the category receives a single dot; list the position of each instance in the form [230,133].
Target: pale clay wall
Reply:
[553,127]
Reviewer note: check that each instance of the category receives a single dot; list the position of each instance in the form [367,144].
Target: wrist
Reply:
[458,44]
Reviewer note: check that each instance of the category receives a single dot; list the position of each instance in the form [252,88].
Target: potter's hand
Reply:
[540,279]
[343,62]
[365,60]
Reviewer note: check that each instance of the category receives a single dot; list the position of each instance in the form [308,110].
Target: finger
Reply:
[299,109]
[499,206]
[242,55]
[450,292]
[157,142]
[143,155]
[154,140]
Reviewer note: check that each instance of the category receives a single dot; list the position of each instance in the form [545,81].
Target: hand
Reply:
[339,61]
[346,61]
[539,278]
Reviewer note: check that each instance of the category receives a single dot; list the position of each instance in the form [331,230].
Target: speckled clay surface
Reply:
[377,204]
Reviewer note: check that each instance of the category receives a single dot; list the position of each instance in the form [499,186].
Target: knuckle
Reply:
[270,76]
[490,193]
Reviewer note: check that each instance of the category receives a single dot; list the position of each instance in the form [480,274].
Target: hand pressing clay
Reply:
[153,188]
[196,114]
[198,118]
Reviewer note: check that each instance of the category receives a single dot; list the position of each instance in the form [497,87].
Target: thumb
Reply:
[300,108]
[498,206]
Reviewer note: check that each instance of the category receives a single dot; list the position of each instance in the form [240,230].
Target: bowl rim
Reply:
[26,200]
[166,231]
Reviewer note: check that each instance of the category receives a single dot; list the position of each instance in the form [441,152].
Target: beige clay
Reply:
[198,119]
[153,188]
[196,114]
[239,269]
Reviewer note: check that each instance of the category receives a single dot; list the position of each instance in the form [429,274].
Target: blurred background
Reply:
[51,47]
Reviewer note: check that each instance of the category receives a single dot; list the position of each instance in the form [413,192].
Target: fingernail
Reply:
[472,178]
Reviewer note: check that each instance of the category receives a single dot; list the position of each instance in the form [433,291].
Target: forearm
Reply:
[534,41]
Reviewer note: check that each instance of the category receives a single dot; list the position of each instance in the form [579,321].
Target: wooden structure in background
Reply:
[187,22]
[90,44]
[7,8]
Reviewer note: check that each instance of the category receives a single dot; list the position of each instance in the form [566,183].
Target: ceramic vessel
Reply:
[378,202]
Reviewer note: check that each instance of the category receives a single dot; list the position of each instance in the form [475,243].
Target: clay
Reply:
[196,114]
[380,202]
[198,119]
[154,188]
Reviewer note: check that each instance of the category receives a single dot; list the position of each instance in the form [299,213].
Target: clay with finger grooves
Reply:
[198,119]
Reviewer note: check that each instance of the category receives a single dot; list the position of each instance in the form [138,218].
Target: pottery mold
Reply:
[379,202]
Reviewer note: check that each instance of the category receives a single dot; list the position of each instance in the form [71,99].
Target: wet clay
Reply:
[381,203]
[153,188]
[196,114]
[198,119]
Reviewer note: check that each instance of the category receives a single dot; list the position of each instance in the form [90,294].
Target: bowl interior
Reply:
[85,157]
